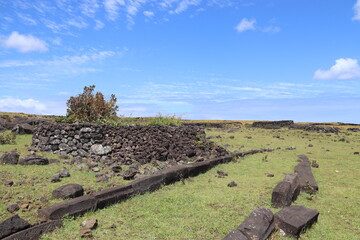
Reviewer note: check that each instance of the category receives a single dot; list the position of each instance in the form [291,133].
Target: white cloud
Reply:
[11,104]
[99,25]
[112,8]
[148,14]
[272,29]
[184,5]
[246,25]
[24,43]
[77,22]
[89,7]
[357,10]
[344,68]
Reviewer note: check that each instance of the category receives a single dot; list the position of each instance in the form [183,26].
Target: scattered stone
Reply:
[12,207]
[291,148]
[91,223]
[55,178]
[232,184]
[64,173]
[232,137]
[116,169]
[85,233]
[258,225]
[95,169]
[33,160]
[102,178]
[9,183]
[68,191]
[294,220]
[64,157]
[43,200]
[10,158]
[270,175]
[342,140]
[310,145]
[314,164]
[99,149]
[129,174]
[356,153]
[52,160]
[221,174]
[12,225]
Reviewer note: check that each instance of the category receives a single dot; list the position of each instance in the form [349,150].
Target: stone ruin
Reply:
[126,144]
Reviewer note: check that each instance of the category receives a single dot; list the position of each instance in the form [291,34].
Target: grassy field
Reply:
[204,207]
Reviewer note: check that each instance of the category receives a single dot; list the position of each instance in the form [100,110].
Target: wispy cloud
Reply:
[357,11]
[99,25]
[344,68]
[24,43]
[183,5]
[14,104]
[246,25]
[148,14]
[112,8]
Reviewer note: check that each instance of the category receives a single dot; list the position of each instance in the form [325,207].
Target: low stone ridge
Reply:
[314,128]
[12,225]
[126,144]
[33,160]
[273,124]
[101,199]
[36,231]
[306,178]
[258,225]
[286,191]
[10,158]
[68,191]
[294,220]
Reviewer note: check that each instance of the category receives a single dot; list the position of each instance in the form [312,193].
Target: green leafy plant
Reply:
[91,107]
[166,120]
[7,138]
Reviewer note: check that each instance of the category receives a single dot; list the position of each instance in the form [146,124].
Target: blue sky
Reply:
[198,59]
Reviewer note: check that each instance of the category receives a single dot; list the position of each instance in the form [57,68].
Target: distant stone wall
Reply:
[126,143]
[273,124]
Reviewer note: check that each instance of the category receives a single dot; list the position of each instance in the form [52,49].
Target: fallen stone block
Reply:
[294,220]
[306,178]
[148,183]
[286,191]
[174,174]
[114,195]
[12,225]
[199,167]
[33,160]
[258,225]
[68,191]
[72,207]
[36,231]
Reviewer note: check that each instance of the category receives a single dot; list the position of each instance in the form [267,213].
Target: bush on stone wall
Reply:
[90,107]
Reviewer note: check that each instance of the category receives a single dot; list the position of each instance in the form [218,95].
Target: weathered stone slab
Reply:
[147,184]
[68,191]
[199,167]
[33,160]
[258,225]
[72,207]
[306,178]
[36,231]
[174,174]
[114,195]
[294,220]
[286,191]
[12,225]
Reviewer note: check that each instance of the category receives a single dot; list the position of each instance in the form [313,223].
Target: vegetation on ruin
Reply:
[7,137]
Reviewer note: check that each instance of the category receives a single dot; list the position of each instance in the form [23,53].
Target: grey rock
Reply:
[12,207]
[34,160]
[99,149]
[10,158]
[68,191]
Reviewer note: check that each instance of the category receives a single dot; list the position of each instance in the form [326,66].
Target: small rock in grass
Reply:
[91,223]
[270,175]
[55,178]
[68,191]
[10,158]
[13,207]
[232,184]
[356,153]
[314,164]
[129,174]
[95,169]
[116,169]
[85,233]
[9,183]
[64,173]
[291,148]
[221,173]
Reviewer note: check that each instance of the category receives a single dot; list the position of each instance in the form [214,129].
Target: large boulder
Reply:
[12,225]
[286,191]
[33,160]
[68,191]
[23,128]
[294,220]
[10,158]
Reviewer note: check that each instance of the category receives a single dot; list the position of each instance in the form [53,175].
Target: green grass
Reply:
[205,208]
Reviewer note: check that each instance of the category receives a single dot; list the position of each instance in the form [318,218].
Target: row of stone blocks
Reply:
[292,220]
[51,216]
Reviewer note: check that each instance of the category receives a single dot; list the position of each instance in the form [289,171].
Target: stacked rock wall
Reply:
[273,124]
[125,143]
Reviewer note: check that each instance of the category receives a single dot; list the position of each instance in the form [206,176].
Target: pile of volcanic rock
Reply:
[314,128]
[126,144]
[18,124]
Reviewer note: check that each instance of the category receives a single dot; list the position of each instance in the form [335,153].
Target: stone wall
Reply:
[126,143]
[273,124]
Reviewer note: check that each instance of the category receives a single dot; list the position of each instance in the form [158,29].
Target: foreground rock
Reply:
[286,191]
[306,178]
[258,225]
[68,191]
[294,220]
[12,225]
[33,160]
[10,158]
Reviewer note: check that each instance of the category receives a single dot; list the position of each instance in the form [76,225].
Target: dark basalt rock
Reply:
[12,225]
[286,191]
[10,158]
[258,225]
[294,220]
[33,160]
[306,178]
[68,191]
